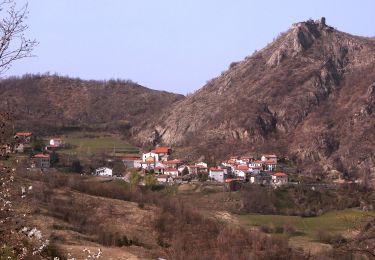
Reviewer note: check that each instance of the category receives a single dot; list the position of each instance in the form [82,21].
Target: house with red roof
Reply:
[162,152]
[269,157]
[279,179]
[172,163]
[270,166]
[241,171]
[132,162]
[41,160]
[23,137]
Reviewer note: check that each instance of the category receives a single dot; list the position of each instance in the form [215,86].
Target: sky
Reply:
[169,45]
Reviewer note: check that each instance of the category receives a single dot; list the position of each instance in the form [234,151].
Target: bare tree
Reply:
[14,45]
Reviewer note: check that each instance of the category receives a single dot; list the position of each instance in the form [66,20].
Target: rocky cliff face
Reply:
[309,94]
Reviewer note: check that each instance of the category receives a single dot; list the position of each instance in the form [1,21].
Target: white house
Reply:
[270,166]
[202,164]
[148,156]
[55,142]
[241,171]
[149,160]
[255,169]
[269,157]
[279,179]
[164,178]
[171,172]
[132,162]
[103,171]
[217,174]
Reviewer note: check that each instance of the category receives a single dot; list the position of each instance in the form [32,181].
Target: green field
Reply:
[86,144]
[335,222]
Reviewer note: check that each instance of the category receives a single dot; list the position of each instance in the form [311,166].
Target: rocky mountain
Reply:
[309,95]
[47,103]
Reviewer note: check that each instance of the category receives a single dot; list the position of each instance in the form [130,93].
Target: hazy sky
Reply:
[168,44]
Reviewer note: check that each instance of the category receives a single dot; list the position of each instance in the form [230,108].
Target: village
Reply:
[161,164]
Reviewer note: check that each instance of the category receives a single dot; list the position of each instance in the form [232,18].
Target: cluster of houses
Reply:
[237,168]
[246,168]
[166,170]
[251,169]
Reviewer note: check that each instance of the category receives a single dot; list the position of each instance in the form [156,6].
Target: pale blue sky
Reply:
[168,44]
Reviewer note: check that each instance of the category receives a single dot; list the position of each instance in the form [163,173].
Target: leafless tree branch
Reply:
[14,45]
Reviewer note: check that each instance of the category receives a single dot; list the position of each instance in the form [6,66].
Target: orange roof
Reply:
[279,174]
[161,149]
[40,155]
[242,167]
[216,169]
[258,161]
[24,134]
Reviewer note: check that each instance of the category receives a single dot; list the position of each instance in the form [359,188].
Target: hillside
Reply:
[309,95]
[49,103]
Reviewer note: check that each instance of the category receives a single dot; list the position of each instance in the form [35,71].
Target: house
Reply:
[201,164]
[241,171]
[196,169]
[159,170]
[148,156]
[171,172]
[149,160]
[23,137]
[172,163]
[5,149]
[269,157]
[217,174]
[270,166]
[103,171]
[255,169]
[260,178]
[257,163]
[132,162]
[247,158]
[163,152]
[279,179]
[55,143]
[164,178]
[19,148]
[41,161]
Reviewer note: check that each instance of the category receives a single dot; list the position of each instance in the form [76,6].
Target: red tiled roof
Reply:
[216,169]
[161,149]
[279,174]
[24,134]
[40,155]
[258,161]
[242,167]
